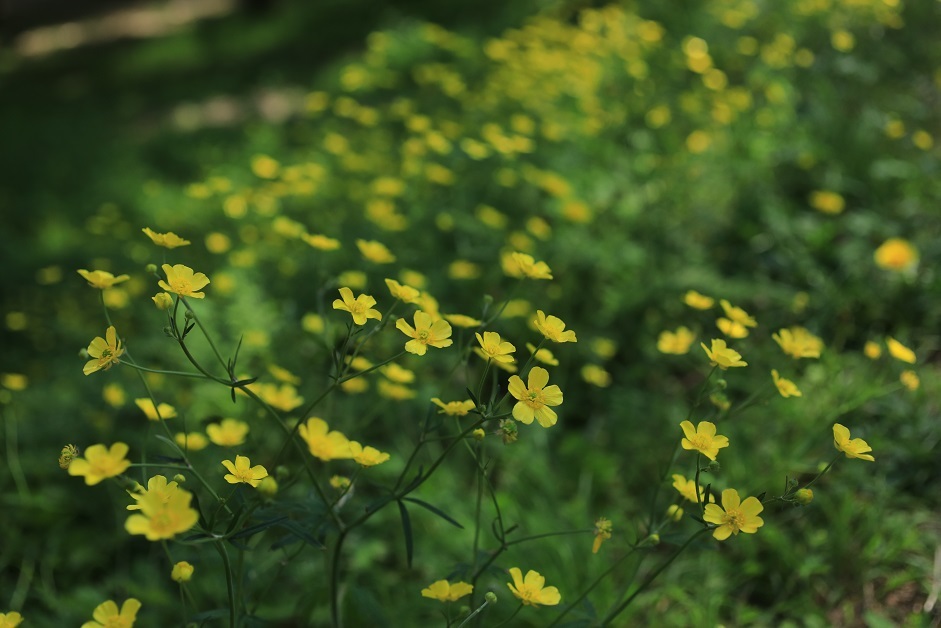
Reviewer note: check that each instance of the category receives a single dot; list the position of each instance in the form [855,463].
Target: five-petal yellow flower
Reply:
[102,279]
[323,443]
[703,438]
[168,240]
[104,352]
[534,399]
[183,281]
[721,355]
[443,591]
[107,615]
[853,448]
[786,387]
[531,591]
[735,515]
[243,472]
[495,348]
[553,328]
[426,333]
[360,307]
[100,462]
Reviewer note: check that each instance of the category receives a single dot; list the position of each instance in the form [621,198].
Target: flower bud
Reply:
[189,315]
[491,597]
[268,487]
[162,300]
[674,512]
[167,331]
[151,268]
[721,384]
[713,466]
[652,539]
[478,434]
[282,473]
[804,496]
[182,571]
[508,431]
[179,478]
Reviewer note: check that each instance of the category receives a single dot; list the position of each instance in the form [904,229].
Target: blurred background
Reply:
[759,152]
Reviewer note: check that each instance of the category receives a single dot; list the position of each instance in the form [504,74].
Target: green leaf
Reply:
[438,512]
[407,530]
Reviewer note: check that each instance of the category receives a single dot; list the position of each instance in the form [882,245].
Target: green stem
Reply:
[205,333]
[229,585]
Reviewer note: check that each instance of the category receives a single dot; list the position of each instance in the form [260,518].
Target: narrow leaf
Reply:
[407,530]
[438,512]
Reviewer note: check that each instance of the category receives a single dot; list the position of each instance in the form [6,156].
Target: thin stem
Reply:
[206,335]
[229,585]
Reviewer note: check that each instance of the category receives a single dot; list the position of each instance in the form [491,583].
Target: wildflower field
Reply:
[540,313]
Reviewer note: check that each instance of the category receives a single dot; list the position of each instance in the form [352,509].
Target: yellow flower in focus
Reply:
[534,398]
[827,202]
[532,591]
[102,279]
[194,441]
[602,533]
[798,342]
[521,265]
[228,432]
[737,314]
[703,438]
[183,281]
[405,294]
[698,301]
[786,387]
[375,252]
[687,488]
[495,348]
[896,254]
[872,350]
[460,320]
[543,355]
[426,333]
[162,300]
[735,515]
[675,342]
[367,456]
[104,352]
[855,448]
[553,328]
[163,513]
[360,307]
[596,375]
[182,572]
[320,241]
[10,620]
[443,591]
[242,472]
[107,615]
[722,356]
[909,379]
[322,443]
[168,240]
[100,463]
[732,329]
[162,411]
[454,408]
[899,351]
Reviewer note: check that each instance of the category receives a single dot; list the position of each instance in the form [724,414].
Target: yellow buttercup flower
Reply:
[397,374]
[405,294]
[426,333]
[460,320]
[553,328]
[397,392]
[104,352]
[687,488]
[786,387]
[243,472]
[909,379]
[703,438]
[732,329]
[162,514]
[228,432]
[375,252]
[321,242]
[534,398]
[872,350]
[100,463]
[360,307]
[798,342]
[735,515]
[896,254]
[595,375]
[194,441]
[602,533]
[107,615]
[698,301]
[443,591]
[10,620]
[827,202]
[722,356]
[367,456]
[521,265]
[158,489]
[531,591]
[182,571]
[322,443]
[183,281]
[543,355]
[102,279]
[454,408]
[495,347]
[162,411]
[899,351]
[162,300]
[737,314]
[675,342]
[283,375]
[853,448]
[283,397]
[168,240]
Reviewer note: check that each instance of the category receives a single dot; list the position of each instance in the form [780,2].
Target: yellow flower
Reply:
[543,355]
[443,591]
[194,441]
[703,438]
[395,391]
[183,281]
[798,342]
[495,347]
[520,265]
[675,342]
[243,472]
[553,328]
[162,411]
[227,433]
[268,487]
[169,240]
[872,350]
[265,167]
[722,356]
[15,381]
[674,512]
[100,462]
[737,314]
[896,254]
[786,387]
[284,397]
[323,443]
[397,374]
[375,252]
[102,279]
[352,278]
[532,591]
[312,323]
[162,300]
[687,488]
[454,408]
[698,301]
[10,620]
[909,379]
[162,514]
[182,571]
[732,329]
[604,348]
[405,294]
[735,515]
[596,375]
[321,242]
[104,351]
[602,534]
[425,333]
[855,448]
[827,202]
[534,399]
[283,375]
[899,351]
[460,320]
[360,307]
[367,456]
[158,489]
[340,482]
[106,615]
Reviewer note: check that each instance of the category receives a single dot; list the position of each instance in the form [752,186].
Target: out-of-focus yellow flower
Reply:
[323,443]
[14,381]
[798,342]
[104,352]
[183,281]
[596,375]
[397,392]
[242,472]
[909,379]
[284,397]
[162,511]
[698,301]
[182,572]
[722,356]
[543,355]
[603,529]
[460,320]
[107,615]
[162,411]
[534,398]
[827,202]
[703,438]
[320,241]
[426,333]
[405,294]
[521,265]
[193,441]
[360,307]
[340,482]
[896,254]
[228,432]
[737,314]
[375,252]
[842,40]
[10,620]
[899,351]
[922,139]
[786,387]
[463,269]
[553,328]
[100,462]
[443,591]
[397,374]
[265,167]
[730,328]
[872,350]
[101,279]
[167,240]
[367,456]
[853,448]
[676,342]
[735,515]
[454,408]
[687,488]
[532,591]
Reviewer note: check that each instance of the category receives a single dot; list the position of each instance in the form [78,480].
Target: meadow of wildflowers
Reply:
[566,316]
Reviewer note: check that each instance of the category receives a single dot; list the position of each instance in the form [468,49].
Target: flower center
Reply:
[106,354]
[700,442]
[735,519]
[424,335]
